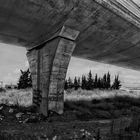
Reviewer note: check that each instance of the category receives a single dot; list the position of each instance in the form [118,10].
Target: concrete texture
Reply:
[48,65]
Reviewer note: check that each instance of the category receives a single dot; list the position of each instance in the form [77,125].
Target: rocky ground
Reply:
[24,123]
[81,120]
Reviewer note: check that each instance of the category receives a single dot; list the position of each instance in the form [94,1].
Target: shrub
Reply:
[2,90]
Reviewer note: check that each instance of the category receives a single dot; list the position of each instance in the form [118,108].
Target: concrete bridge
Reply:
[53,30]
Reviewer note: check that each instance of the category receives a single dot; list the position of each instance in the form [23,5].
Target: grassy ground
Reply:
[72,95]
[107,108]
[16,97]
[24,97]
[83,104]
[85,112]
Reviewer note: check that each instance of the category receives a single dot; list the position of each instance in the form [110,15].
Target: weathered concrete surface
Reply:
[48,65]
[109,32]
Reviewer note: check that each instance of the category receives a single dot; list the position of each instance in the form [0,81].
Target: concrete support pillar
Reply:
[48,66]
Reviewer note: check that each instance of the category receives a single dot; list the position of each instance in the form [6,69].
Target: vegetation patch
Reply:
[108,108]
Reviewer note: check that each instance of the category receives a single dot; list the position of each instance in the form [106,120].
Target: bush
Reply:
[2,90]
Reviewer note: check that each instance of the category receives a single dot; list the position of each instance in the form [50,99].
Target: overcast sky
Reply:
[13,58]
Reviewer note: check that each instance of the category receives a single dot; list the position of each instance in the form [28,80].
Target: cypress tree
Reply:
[89,81]
[108,80]
[96,82]
[84,82]
[79,82]
[99,83]
[76,86]
[116,83]
[104,82]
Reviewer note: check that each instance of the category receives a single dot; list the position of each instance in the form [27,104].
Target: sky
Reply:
[13,58]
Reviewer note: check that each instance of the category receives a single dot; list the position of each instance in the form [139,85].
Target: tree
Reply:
[76,86]
[99,83]
[89,81]
[104,81]
[108,80]
[25,80]
[79,82]
[96,82]
[116,83]
[84,82]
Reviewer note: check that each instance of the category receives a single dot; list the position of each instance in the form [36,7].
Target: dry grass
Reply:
[86,95]
[16,97]
[24,97]
[83,104]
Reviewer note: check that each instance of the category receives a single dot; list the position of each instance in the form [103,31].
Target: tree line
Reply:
[88,83]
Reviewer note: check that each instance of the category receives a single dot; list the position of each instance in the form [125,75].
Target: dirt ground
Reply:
[20,124]
[89,130]
[83,120]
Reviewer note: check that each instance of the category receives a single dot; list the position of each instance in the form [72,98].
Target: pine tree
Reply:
[25,80]
[79,82]
[84,82]
[108,80]
[104,82]
[96,82]
[89,81]
[76,86]
[99,83]
[116,83]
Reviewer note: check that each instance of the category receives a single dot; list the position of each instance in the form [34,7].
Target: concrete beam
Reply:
[48,66]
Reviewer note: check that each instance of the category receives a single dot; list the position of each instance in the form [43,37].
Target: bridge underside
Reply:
[54,30]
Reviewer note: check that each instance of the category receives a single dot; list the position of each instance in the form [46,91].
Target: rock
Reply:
[53,113]
[54,138]
[26,120]
[31,119]
[1,117]
[1,107]
[82,130]
[29,113]
[19,115]
[11,110]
